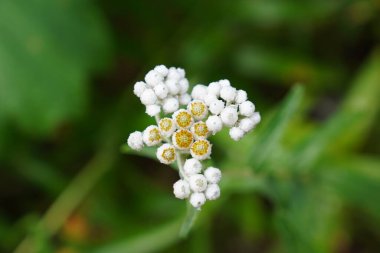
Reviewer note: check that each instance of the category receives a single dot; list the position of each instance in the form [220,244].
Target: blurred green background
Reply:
[306,180]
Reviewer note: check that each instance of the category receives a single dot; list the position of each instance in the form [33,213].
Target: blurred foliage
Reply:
[306,180]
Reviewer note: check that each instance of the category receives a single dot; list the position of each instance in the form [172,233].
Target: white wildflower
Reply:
[151,136]
[213,175]
[148,97]
[184,99]
[216,107]
[167,127]
[199,92]
[161,90]
[246,124]
[241,96]
[214,88]
[192,166]
[166,153]
[228,93]
[247,108]
[139,88]
[236,133]
[201,149]
[181,189]
[153,78]
[170,105]
[212,192]
[135,140]
[197,199]
[198,109]
[198,183]
[229,116]
[152,110]
[214,124]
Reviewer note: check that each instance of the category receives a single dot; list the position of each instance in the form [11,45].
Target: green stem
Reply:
[191,216]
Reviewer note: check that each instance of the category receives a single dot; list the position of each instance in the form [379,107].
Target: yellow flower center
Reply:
[169,154]
[183,138]
[197,108]
[183,119]
[200,129]
[166,124]
[154,135]
[200,147]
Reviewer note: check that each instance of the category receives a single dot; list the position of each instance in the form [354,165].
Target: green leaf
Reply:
[363,99]
[306,154]
[47,50]
[151,241]
[357,180]
[270,137]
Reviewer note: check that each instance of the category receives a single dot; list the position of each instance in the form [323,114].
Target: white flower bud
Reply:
[214,88]
[192,166]
[174,74]
[153,78]
[228,93]
[198,183]
[209,98]
[152,136]
[166,153]
[236,133]
[199,91]
[197,199]
[201,149]
[229,116]
[181,72]
[181,189]
[135,140]
[166,126]
[247,108]
[246,124]
[212,192]
[216,107]
[214,124]
[241,96]
[256,118]
[148,97]
[152,110]
[170,105]
[161,90]
[213,175]
[172,86]
[184,99]
[183,86]
[139,88]
[224,83]
[162,70]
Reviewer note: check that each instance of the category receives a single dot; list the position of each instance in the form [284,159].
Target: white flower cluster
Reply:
[164,89]
[229,107]
[196,186]
[184,133]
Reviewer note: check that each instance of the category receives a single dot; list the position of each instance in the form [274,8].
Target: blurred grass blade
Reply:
[313,147]
[270,137]
[191,216]
[357,181]
[363,98]
[152,241]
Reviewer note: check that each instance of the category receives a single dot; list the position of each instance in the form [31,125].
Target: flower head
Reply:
[184,122]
